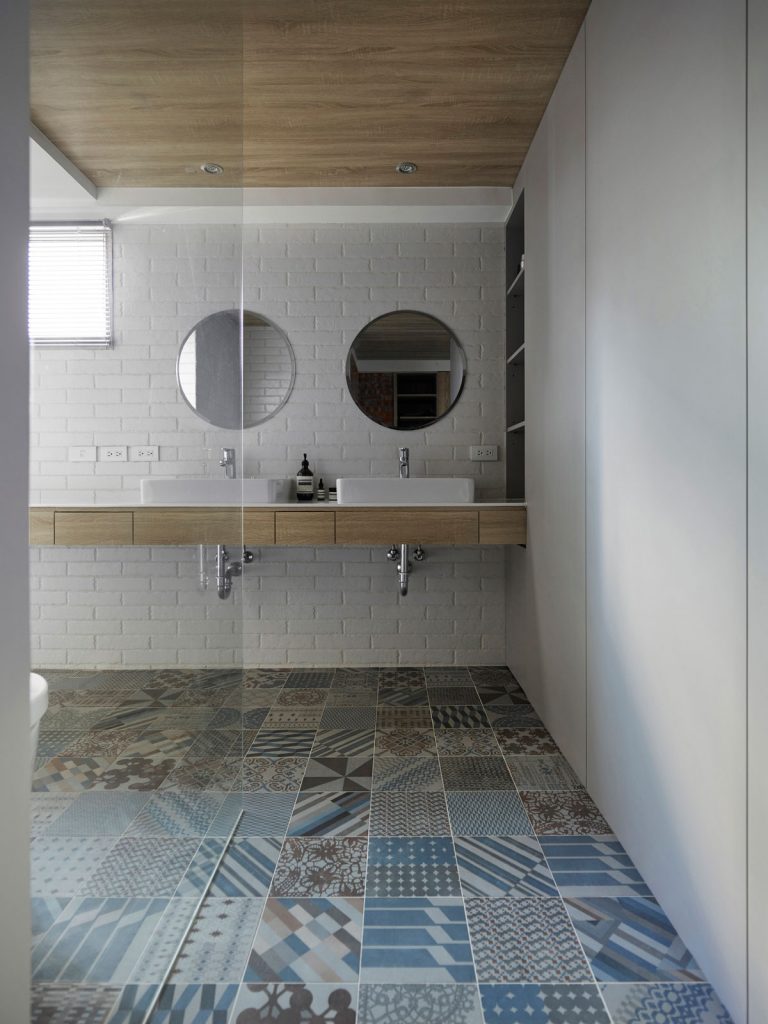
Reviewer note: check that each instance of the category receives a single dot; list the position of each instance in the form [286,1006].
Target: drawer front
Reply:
[188,526]
[503,526]
[305,528]
[41,526]
[258,528]
[86,528]
[406,526]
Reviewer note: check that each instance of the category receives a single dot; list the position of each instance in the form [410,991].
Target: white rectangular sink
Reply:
[391,490]
[209,491]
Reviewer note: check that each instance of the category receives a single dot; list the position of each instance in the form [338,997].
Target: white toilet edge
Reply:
[38,697]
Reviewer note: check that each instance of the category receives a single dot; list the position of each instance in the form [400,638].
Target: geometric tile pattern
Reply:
[466,741]
[503,866]
[403,696]
[453,695]
[459,716]
[408,813]
[405,742]
[307,940]
[310,678]
[513,716]
[631,939]
[424,866]
[321,867]
[185,1004]
[326,1004]
[543,1004]
[592,866]
[330,814]
[246,869]
[176,814]
[419,940]
[542,772]
[414,773]
[99,814]
[218,945]
[69,774]
[272,774]
[564,814]
[525,939]
[348,774]
[447,676]
[45,808]
[664,1004]
[141,867]
[474,773]
[264,814]
[348,718]
[349,698]
[343,743]
[488,813]
[425,1004]
[282,743]
[70,1004]
[63,865]
[45,910]
[388,717]
[526,741]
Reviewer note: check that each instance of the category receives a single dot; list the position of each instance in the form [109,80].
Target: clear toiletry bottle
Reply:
[305,482]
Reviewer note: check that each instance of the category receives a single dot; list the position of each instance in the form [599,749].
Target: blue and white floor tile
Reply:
[592,866]
[425,1004]
[664,1004]
[543,1004]
[271,1003]
[503,866]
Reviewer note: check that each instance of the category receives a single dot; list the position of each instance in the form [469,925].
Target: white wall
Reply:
[14,593]
[321,284]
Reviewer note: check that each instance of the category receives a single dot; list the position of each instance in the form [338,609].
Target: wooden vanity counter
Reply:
[311,525]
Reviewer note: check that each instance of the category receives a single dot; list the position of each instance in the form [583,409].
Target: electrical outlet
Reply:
[83,453]
[113,453]
[483,453]
[143,453]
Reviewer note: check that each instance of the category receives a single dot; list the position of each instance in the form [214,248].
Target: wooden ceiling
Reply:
[297,92]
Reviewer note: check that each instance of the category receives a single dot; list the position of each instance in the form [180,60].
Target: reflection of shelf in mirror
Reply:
[417,394]
[416,417]
[516,426]
[518,356]
[516,287]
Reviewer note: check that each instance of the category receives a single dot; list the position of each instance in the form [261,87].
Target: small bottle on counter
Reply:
[305,482]
[332,493]
[320,491]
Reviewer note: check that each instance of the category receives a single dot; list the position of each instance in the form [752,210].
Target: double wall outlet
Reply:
[143,453]
[113,453]
[483,453]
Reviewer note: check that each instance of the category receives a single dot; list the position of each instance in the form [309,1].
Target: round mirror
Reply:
[209,369]
[405,370]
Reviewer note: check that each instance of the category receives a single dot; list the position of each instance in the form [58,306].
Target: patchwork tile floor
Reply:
[409,847]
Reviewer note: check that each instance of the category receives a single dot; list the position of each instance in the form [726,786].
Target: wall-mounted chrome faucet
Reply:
[405,464]
[228,462]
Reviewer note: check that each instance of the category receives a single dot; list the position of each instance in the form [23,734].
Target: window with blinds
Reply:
[70,285]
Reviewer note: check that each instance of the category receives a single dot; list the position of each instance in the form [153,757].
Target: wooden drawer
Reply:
[258,527]
[503,526]
[406,526]
[305,528]
[86,528]
[188,526]
[41,526]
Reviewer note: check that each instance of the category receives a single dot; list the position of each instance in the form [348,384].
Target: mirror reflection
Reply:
[209,369]
[405,370]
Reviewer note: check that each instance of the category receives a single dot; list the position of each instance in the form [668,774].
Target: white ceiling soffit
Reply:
[59,191]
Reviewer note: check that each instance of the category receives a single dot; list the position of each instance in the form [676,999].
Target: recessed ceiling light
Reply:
[211,168]
[406,167]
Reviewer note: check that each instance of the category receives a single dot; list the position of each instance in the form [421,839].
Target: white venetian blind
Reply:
[70,284]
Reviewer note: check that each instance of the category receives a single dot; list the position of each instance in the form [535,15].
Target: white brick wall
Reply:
[321,285]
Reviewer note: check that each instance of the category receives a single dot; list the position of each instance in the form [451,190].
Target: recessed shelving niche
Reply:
[515,351]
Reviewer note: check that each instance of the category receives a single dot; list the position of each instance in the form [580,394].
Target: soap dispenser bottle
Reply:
[305,482]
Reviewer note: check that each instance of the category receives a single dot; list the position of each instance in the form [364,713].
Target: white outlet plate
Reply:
[143,453]
[483,453]
[113,453]
[82,453]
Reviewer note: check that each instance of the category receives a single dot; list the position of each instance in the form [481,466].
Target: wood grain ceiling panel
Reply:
[297,92]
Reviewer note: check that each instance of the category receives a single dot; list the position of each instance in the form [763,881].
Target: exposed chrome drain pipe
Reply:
[404,566]
[225,569]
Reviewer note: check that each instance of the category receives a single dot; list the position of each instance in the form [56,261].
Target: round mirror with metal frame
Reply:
[406,370]
[225,390]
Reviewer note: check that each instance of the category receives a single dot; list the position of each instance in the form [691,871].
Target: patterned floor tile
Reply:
[62,865]
[401,677]
[543,773]
[321,867]
[71,718]
[218,774]
[176,814]
[311,678]
[307,940]
[525,940]
[217,947]
[388,717]
[475,773]
[172,743]
[543,1004]
[45,808]
[272,774]
[216,743]
[425,1004]
[293,718]
[72,1004]
[349,774]
[409,814]
[282,743]
[344,743]
[453,695]
[96,940]
[664,1004]
[51,742]
[268,678]
[424,866]
[503,866]
[355,678]
[141,867]
[447,676]
[331,814]
[459,716]
[245,871]
[44,911]
[136,774]
[259,698]
[564,814]
[98,814]
[177,1004]
[264,814]
[422,939]
[501,694]
[107,743]
[406,742]
[419,773]
[478,813]
[324,1004]
[513,716]
[592,866]
[69,774]
[300,698]
[460,742]
[403,696]
[348,718]
[349,698]
[526,741]
[631,939]
[492,674]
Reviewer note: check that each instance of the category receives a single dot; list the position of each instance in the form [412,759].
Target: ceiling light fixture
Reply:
[210,168]
[406,167]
